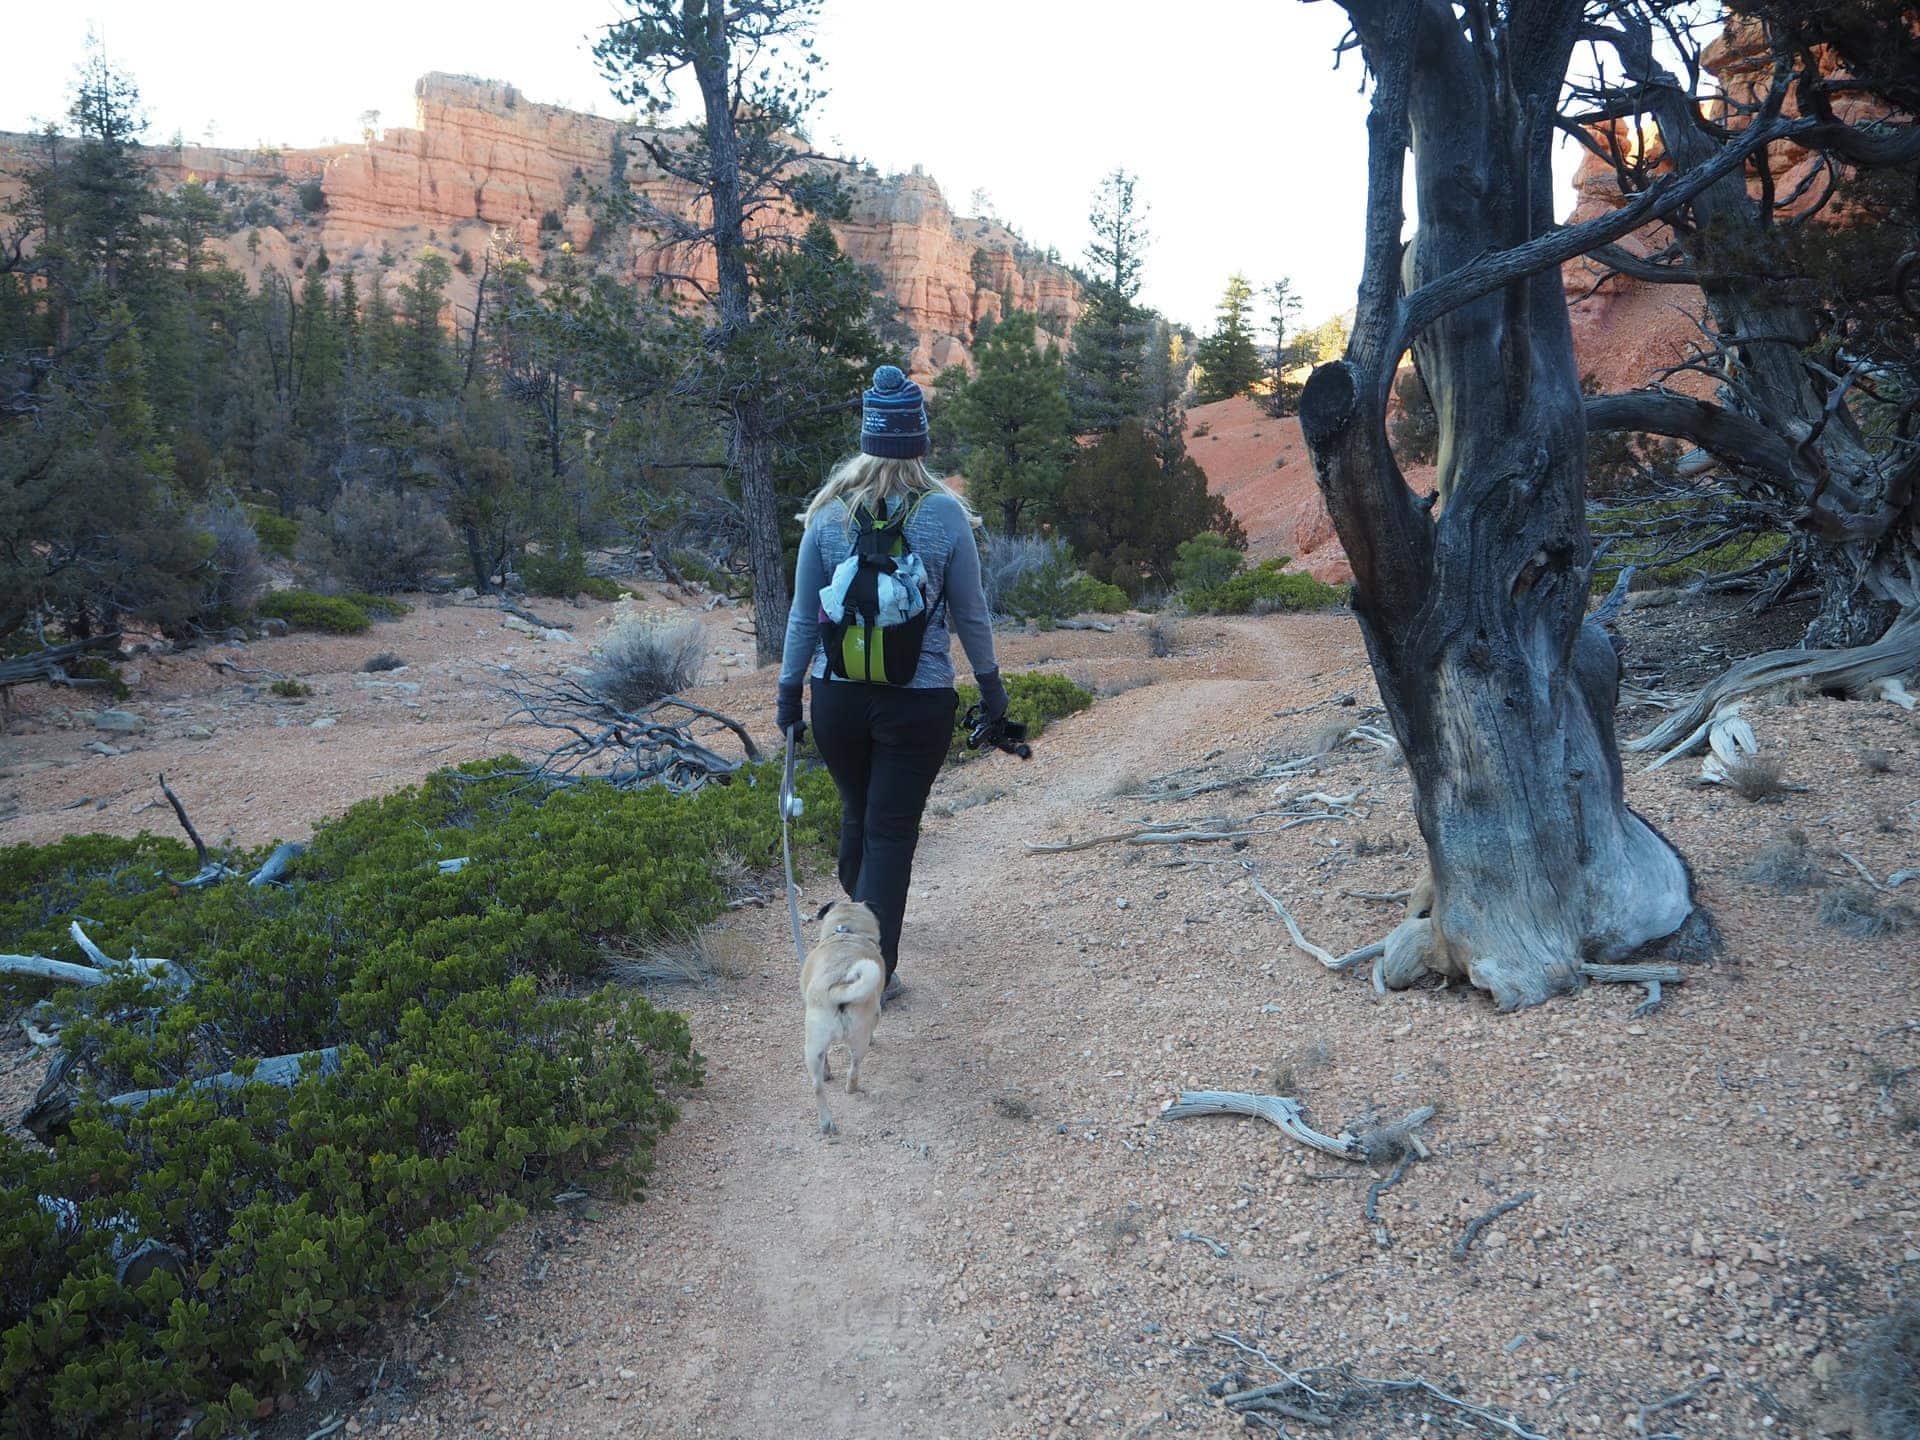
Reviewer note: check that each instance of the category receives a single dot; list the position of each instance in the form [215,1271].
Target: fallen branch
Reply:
[103,969]
[283,1070]
[211,870]
[1651,976]
[1325,1397]
[1166,832]
[1099,625]
[1219,1250]
[520,613]
[1475,1226]
[231,668]
[1288,1115]
[50,664]
[284,854]
[1856,670]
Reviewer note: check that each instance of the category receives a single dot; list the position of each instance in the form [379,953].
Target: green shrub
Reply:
[306,610]
[313,196]
[599,587]
[380,607]
[1264,589]
[477,1078]
[290,689]
[277,533]
[1088,596]
[1206,562]
[98,667]
[1034,699]
[560,573]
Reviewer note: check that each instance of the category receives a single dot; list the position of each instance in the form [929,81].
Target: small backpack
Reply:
[874,613]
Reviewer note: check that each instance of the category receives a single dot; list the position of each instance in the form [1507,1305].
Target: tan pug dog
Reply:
[841,984]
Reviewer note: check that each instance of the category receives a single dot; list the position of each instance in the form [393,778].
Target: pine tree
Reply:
[1283,393]
[426,362]
[1126,515]
[1168,366]
[1007,423]
[1104,368]
[1228,359]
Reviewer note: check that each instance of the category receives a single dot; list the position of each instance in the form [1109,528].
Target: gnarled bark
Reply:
[1501,694]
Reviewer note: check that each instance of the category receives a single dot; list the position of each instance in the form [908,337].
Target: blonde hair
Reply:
[871,480]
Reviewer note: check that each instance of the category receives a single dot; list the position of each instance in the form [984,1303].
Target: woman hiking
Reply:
[888,572]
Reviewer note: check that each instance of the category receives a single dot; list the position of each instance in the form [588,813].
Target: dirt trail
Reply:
[780,1278]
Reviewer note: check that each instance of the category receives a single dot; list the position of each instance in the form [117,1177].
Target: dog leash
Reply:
[790,806]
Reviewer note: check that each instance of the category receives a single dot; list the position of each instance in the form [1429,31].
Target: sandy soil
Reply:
[997,1243]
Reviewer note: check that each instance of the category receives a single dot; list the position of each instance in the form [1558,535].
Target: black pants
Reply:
[883,746]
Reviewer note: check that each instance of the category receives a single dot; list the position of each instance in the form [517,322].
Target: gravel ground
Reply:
[1008,1240]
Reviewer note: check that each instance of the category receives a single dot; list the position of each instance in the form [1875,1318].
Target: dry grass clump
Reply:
[1012,1107]
[1161,635]
[644,660]
[1757,778]
[1290,1070]
[1788,864]
[1366,845]
[1885,1379]
[1855,910]
[690,957]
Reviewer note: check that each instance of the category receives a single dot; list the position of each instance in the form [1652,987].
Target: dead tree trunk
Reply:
[1473,605]
[750,447]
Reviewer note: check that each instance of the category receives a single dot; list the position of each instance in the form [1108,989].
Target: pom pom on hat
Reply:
[893,416]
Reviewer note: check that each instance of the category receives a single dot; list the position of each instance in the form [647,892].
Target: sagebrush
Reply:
[645,660]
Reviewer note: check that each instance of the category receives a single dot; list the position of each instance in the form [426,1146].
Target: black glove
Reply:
[787,711]
[993,695]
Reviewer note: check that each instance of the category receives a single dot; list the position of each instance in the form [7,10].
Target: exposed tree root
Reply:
[1479,1223]
[1348,961]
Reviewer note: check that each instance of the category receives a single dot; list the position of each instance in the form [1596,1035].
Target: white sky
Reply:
[1250,149]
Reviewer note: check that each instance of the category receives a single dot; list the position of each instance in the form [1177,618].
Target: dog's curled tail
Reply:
[862,980]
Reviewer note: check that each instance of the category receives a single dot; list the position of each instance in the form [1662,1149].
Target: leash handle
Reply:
[788,808]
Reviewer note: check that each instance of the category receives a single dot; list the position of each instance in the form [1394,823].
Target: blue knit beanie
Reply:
[893,419]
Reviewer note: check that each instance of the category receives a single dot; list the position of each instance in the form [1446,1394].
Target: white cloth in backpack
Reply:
[903,594]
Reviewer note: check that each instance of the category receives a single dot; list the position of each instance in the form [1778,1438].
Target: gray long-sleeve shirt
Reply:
[943,539]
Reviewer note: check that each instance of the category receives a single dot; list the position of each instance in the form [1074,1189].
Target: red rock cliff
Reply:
[484,164]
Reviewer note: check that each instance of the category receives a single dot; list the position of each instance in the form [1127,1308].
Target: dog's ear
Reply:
[821,913]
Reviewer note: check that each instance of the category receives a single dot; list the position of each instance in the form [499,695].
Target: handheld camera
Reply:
[1001,734]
